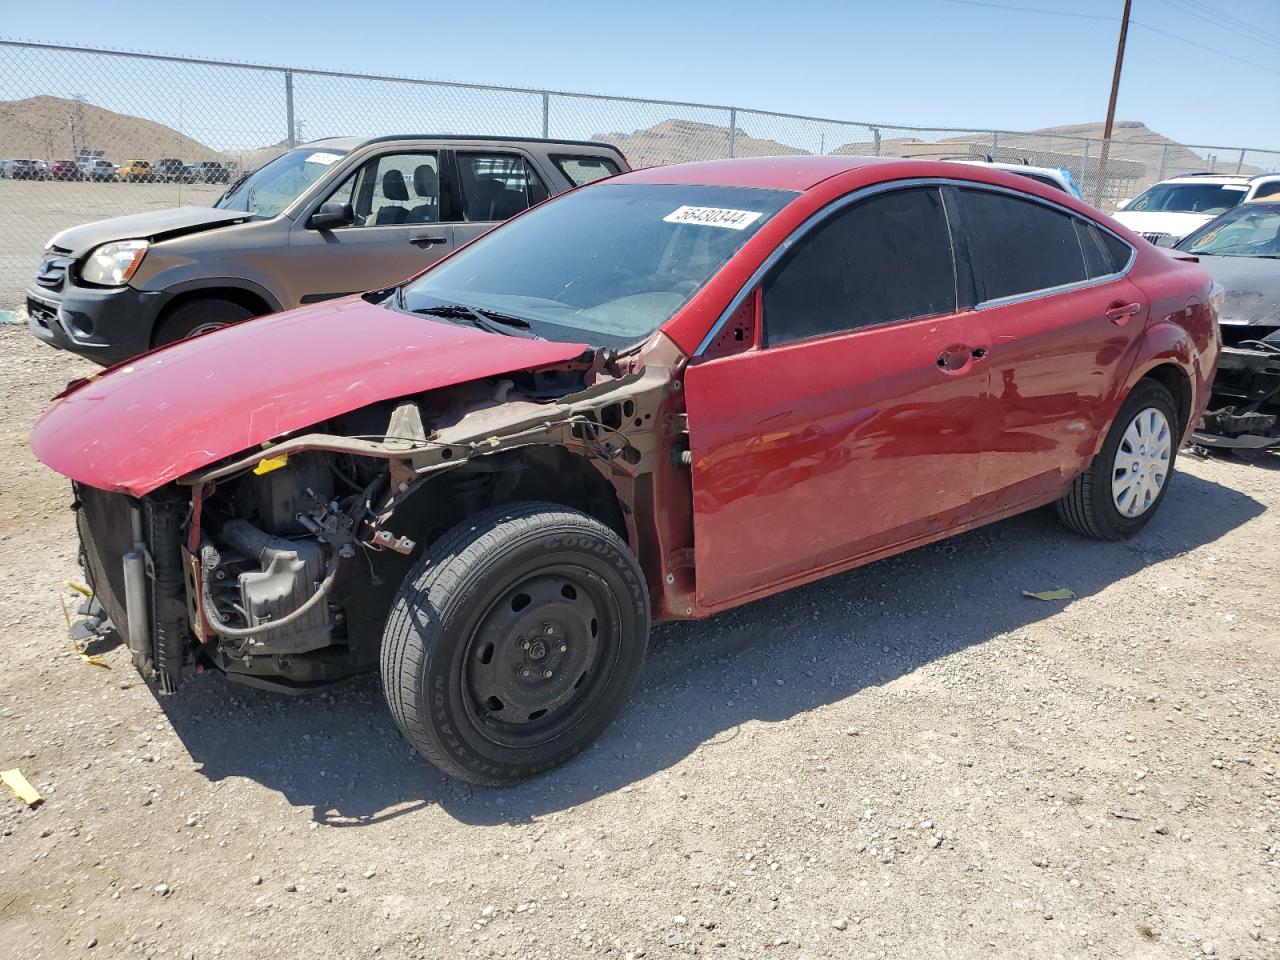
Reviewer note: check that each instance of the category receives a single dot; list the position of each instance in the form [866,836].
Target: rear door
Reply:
[1061,314]
[400,228]
[492,185]
[857,424]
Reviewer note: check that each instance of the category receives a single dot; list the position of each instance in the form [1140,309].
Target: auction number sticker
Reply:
[323,158]
[713,217]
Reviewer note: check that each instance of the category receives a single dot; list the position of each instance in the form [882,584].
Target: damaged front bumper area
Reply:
[1244,409]
[277,567]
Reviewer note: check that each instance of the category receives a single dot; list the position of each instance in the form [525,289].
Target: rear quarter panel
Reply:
[1182,324]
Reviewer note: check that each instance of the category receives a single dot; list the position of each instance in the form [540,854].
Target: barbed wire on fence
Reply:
[151,130]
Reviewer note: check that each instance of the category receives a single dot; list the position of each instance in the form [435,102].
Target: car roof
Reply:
[1055,172]
[770,173]
[351,143]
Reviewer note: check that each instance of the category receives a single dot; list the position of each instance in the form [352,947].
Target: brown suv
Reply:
[327,219]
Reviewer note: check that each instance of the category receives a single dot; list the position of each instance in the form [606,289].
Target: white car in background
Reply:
[1171,209]
[1049,176]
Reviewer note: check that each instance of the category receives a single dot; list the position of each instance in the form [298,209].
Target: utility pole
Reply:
[1111,104]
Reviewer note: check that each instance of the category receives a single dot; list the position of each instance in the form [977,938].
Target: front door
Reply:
[396,230]
[857,424]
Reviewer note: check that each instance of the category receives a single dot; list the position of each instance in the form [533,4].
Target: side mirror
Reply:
[332,214]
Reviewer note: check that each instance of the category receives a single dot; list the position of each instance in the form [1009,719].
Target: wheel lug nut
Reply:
[524,644]
[563,648]
[548,630]
[546,674]
[525,672]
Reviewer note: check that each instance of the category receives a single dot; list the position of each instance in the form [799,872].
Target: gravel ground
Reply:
[909,760]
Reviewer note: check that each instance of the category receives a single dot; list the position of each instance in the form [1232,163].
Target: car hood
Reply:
[142,424]
[1177,225]
[151,225]
[1252,287]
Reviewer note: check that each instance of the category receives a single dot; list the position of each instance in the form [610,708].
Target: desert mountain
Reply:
[50,128]
[682,141]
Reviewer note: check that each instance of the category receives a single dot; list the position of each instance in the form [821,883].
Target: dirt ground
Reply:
[911,760]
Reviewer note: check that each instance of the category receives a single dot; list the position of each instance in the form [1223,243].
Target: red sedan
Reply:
[661,395]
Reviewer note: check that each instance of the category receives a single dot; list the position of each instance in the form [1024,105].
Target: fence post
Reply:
[733,127]
[995,143]
[1164,162]
[1084,166]
[1240,162]
[288,109]
[875,137]
[546,115]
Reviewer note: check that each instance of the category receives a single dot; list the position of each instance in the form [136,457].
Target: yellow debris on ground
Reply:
[21,787]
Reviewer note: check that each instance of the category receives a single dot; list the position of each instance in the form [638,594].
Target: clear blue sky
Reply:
[907,61]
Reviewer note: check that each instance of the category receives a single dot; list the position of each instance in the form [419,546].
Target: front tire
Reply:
[514,641]
[1125,484]
[197,317]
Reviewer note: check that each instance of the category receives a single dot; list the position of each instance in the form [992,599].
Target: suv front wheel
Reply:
[514,641]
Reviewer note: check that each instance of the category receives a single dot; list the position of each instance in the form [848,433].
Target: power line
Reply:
[1136,23]
[1257,36]
[1245,25]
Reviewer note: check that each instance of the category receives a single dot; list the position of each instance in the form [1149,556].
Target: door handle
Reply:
[1119,313]
[958,358]
[425,240]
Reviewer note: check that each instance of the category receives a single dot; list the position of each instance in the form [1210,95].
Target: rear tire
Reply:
[1121,490]
[514,641]
[197,317]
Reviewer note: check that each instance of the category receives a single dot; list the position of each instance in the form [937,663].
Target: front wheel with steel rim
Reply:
[1124,485]
[514,641]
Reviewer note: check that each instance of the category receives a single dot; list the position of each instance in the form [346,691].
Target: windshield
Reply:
[1247,231]
[606,264]
[265,192]
[1211,198]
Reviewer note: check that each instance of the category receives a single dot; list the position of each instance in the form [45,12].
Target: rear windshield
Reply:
[607,264]
[1212,198]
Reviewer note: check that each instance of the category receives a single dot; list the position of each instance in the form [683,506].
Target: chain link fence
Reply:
[88,134]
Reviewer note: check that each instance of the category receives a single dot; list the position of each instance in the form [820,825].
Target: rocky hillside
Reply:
[51,128]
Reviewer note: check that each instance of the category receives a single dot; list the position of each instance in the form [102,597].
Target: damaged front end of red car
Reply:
[277,563]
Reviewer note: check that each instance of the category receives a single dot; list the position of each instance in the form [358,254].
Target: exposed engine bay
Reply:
[278,566]
[1244,410]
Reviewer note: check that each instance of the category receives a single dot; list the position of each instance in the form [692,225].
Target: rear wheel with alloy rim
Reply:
[514,641]
[1126,482]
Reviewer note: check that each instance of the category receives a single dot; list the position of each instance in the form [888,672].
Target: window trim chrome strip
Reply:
[839,203]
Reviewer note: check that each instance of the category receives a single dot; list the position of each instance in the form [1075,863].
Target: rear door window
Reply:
[584,170]
[882,259]
[1020,246]
[496,186]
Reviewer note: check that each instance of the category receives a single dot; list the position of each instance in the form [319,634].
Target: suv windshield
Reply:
[1247,231]
[265,192]
[1212,198]
[606,264]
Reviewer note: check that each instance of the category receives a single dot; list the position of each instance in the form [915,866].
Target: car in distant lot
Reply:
[1241,249]
[137,171]
[1056,177]
[98,169]
[26,169]
[63,170]
[1168,211]
[325,220]
[206,171]
[665,394]
[168,170]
